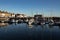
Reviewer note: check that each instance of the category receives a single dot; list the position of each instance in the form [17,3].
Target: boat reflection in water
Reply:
[30,26]
[3,24]
[23,31]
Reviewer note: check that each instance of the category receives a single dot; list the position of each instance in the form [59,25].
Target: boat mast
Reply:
[51,14]
[42,12]
[32,12]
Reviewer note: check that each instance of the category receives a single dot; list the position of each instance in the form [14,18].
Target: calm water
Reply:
[25,32]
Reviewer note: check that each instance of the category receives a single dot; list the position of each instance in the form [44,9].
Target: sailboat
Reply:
[51,22]
[31,21]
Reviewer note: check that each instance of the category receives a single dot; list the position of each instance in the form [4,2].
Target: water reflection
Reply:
[29,26]
[24,31]
[3,24]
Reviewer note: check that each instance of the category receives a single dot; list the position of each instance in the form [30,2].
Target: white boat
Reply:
[16,21]
[51,22]
[26,20]
[43,23]
[30,21]
[13,20]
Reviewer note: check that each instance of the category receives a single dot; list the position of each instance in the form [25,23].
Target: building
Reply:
[20,15]
[5,14]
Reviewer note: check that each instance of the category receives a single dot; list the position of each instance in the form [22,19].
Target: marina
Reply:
[36,20]
[22,27]
[29,19]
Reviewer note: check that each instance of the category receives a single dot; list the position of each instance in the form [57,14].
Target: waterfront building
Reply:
[5,14]
[20,15]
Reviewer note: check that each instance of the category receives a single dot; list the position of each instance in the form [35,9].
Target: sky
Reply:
[31,7]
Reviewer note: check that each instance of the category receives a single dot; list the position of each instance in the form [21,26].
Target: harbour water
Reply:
[22,31]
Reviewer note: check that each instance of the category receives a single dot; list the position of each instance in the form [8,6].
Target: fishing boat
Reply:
[39,20]
[20,21]
[26,21]
[57,23]
[13,21]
